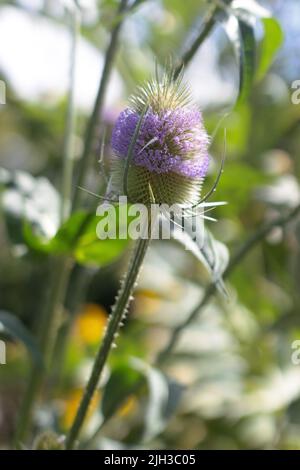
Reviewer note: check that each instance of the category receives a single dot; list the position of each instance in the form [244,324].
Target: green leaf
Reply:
[215,257]
[240,27]
[10,325]
[212,253]
[31,206]
[121,383]
[240,31]
[90,249]
[163,399]
[247,64]
[273,38]
[77,237]
[69,235]
[100,252]
[163,394]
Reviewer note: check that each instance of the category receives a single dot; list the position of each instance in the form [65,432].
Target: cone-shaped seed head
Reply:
[170,154]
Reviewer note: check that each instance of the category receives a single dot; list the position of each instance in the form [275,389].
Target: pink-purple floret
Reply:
[181,129]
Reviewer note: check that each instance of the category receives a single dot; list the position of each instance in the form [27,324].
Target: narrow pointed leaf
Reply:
[273,38]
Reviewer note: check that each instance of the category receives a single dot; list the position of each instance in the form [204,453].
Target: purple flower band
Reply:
[171,141]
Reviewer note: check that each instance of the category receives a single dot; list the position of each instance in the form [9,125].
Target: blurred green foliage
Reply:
[230,382]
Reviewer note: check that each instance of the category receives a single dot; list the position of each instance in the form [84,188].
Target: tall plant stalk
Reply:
[118,312]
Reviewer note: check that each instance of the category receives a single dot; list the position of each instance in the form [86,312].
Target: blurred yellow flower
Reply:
[90,323]
[71,406]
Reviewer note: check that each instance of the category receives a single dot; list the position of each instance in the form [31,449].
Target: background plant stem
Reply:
[98,106]
[68,162]
[206,28]
[59,267]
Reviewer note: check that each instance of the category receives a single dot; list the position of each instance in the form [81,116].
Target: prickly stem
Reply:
[115,321]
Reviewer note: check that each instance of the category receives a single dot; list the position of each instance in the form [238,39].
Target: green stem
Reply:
[50,319]
[188,54]
[68,163]
[207,26]
[240,254]
[60,268]
[81,278]
[115,320]
[136,4]
[98,106]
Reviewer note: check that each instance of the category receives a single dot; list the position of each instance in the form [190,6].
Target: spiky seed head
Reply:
[170,153]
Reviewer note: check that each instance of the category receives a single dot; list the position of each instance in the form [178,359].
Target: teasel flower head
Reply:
[160,145]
